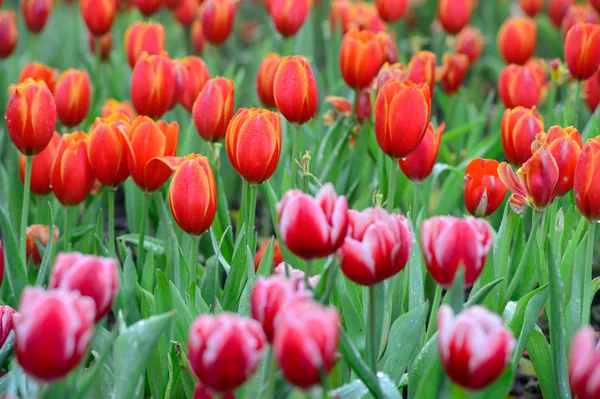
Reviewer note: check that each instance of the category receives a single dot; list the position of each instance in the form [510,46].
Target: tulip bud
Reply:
[152,85]
[587,174]
[40,167]
[474,346]
[41,233]
[361,56]
[72,176]
[453,72]
[197,36]
[39,72]
[186,12]
[578,14]
[343,12]
[421,69]
[73,94]
[53,330]
[106,45]
[265,79]
[253,144]
[295,90]
[6,320]
[520,126]
[519,86]
[390,51]
[363,106]
[391,10]
[147,141]
[213,109]
[584,363]
[31,117]
[289,15]
[147,7]
[402,113]
[470,43]
[217,20]
[591,91]
[582,50]
[557,9]
[306,341]
[277,255]
[531,7]
[143,37]
[36,13]
[517,39]
[454,14]
[112,106]
[8,33]
[484,192]
[194,80]
[98,15]
[225,350]
[418,165]
[390,72]
[313,227]
[107,149]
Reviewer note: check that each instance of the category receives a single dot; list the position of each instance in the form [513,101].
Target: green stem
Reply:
[431,327]
[371,343]
[193,273]
[251,217]
[586,302]
[67,233]
[392,185]
[270,383]
[415,205]
[307,274]
[25,208]
[293,166]
[575,103]
[111,222]
[143,224]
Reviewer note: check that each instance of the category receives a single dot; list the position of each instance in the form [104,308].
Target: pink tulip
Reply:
[584,365]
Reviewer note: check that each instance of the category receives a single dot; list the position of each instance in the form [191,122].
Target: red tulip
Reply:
[277,255]
[9,33]
[517,40]
[591,91]
[41,233]
[186,12]
[474,346]
[418,165]
[367,18]
[470,43]
[313,227]
[31,117]
[36,13]
[106,45]
[421,69]
[143,37]
[217,20]
[578,14]
[520,86]
[72,175]
[361,56]
[197,35]
[53,330]
[454,14]
[391,10]
[295,90]
[289,15]
[390,72]
[153,85]
[147,7]
[265,79]
[531,7]
[225,350]
[112,106]
[390,50]
[344,13]
[73,95]
[38,71]
[40,167]
[90,276]
[558,9]
[98,15]
[484,192]
[453,72]
[587,180]
[107,149]
[6,319]
[194,80]
[520,126]
[584,360]
[213,108]
[582,50]
[306,341]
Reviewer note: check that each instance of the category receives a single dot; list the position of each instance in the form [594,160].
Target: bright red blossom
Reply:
[454,14]
[582,50]
[153,85]
[295,90]
[72,174]
[361,56]
[40,167]
[107,149]
[289,15]
[418,165]
[520,126]
[35,233]
[517,40]
[213,108]
[587,180]
[484,192]
[9,33]
[73,95]
[520,86]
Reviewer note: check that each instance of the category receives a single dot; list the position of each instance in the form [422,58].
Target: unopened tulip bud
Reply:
[147,7]
[519,86]
[40,167]
[213,109]
[265,79]
[73,95]
[289,15]
[578,14]
[72,176]
[520,126]
[107,149]
[453,72]
[517,40]
[143,37]
[36,13]
[38,233]
[470,43]
[217,20]
[531,7]
[9,33]
[418,165]
[587,173]
[591,91]
[186,12]
[557,9]
[454,14]
[112,106]
[295,90]
[391,10]
[421,69]
[484,192]
[194,80]
[361,56]
[582,50]
[98,15]
[153,85]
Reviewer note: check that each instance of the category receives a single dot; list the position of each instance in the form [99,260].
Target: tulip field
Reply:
[299,199]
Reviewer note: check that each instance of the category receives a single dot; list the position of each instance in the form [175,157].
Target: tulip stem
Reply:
[587,284]
[111,222]
[293,167]
[143,223]
[575,103]
[67,235]
[392,185]
[25,208]
[371,342]
[415,206]
[435,306]
[251,216]
[193,273]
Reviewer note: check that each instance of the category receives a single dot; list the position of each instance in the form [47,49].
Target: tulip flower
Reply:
[313,227]
[72,176]
[73,94]
[531,7]
[421,69]
[295,90]
[519,86]
[98,15]
[225,350]
[390,72]
[172,4]
[470,43]
[217,20]
[40,167]
[153,85]
[265,79]
[112,106]
[591,91]
[377,247]
[484,192]
[306,341]
[535,182]
[213,109]
[418,165]
[587,175]
[143,37]
[453,72]
[9,33]
[390,50]
[197,35]
[474,346]
[361,56]
[517,40]
[595,4]
[391,10]
[6,320]
[343,12]
[277,255]
[31,117]
[53,330]
[38,71]
[582,50]
[107,149]
[186,12]
[402,113]
[520,126]
[298,277]
[147,7]
[289,15]
[90,276]
[454,14]
[194,80]
[557,9]
[584,362]
[36,13]
[41,233]
[578,14]
[363,106]
[106,45]
[253,144]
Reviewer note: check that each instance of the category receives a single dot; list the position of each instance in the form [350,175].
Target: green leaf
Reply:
[129,290]
[14,266]
[421,372]
[183,319]
[477,298]
[151,244]
[188,379]
[48,253]
[237,275]
[361,369]
[356,389]
[539,353]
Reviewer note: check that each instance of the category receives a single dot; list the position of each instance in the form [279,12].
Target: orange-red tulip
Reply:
[517,40]
[289,15]
[582,50]
[520,86]
[147,141]
[591,91]
[557,9]
[483,189]
[98,15]
[213,108]
[295,90]
[8,33]
[402,113]
[253,144]
[277,255]
[174,4]
[217,19]
[40,233]
[390,50]
[197,36]
[361,56]
[111,106]
[470,43]
[73,95]
[520,126]
[391,10]
[368,18]
[390,72]
[186,12]
[106,45]
[38,71]
[107,149]
[194,80]
[36,13]
[72,176]
[454,14]
[421,69]
[40,167]
[265,78]
[453,72]
[31,117]
[153,85]
[418,165]
[143,37]
[147,7]
[531,7]
[344,13]
[587,180]
[578,14]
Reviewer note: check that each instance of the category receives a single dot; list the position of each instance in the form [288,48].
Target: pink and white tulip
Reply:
[584,365]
